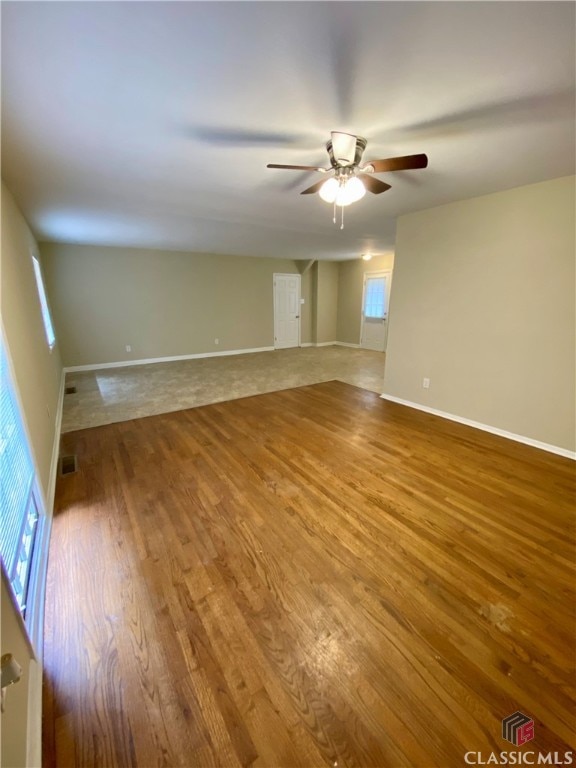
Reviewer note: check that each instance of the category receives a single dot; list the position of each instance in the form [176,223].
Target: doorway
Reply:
[375,302]
[286,311]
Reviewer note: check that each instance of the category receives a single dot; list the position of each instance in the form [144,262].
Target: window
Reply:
[375,297]
[19,505]
[48,327]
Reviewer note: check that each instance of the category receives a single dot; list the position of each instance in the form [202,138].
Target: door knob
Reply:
[11,672]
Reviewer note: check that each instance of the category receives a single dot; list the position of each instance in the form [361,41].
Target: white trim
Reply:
[37,588]
[329,344]
[39,592]
[299,316]
[34,720]
[148,361]
[484,427]
[55,447]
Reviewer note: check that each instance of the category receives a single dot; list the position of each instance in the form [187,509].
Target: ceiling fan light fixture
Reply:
[342,192]
[329,190]
[367,256]
[350,192]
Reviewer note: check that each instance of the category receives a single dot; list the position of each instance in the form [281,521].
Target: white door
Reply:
[286,311]
[375,310]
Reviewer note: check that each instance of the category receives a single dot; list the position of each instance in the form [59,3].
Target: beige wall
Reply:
[350,287]
[326,314]
[483,304]
[161,303]
[36,368]
[165,303]
[37,373]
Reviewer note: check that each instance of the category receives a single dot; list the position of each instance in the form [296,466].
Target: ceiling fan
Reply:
[351,180]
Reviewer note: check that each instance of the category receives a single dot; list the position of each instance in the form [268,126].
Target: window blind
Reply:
[17,506]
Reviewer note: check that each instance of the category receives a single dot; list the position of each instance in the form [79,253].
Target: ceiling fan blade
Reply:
[314,188]
[343,147]
[373,185]
[406,163]
[297,167]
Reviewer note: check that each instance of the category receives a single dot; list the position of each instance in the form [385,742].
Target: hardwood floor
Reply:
[304,578]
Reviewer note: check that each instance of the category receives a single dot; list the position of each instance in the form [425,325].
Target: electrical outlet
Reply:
[216,341]
[128,348]
[426,383]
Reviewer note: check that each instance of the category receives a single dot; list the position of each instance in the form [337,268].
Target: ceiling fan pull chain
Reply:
[342,224]
[334,217]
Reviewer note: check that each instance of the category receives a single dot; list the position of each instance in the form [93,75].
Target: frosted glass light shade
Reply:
[342,194]
[329,190]
[352,191]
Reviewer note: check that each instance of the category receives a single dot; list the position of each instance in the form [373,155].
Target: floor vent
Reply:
[68,464]
[70,391]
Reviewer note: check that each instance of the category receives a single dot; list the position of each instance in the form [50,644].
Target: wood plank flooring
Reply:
[306,578]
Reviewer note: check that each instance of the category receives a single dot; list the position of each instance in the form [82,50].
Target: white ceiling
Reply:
[150,123]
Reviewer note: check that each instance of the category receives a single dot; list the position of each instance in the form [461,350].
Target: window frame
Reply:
[32,615]
[45,311]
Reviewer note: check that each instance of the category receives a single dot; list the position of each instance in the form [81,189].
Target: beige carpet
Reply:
[118,394]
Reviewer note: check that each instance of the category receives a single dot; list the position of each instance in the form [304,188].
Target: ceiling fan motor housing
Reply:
[345,157]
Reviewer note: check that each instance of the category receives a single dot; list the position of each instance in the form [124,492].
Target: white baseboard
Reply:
[330,344]
[34,721]
[148,361]
[484,427]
